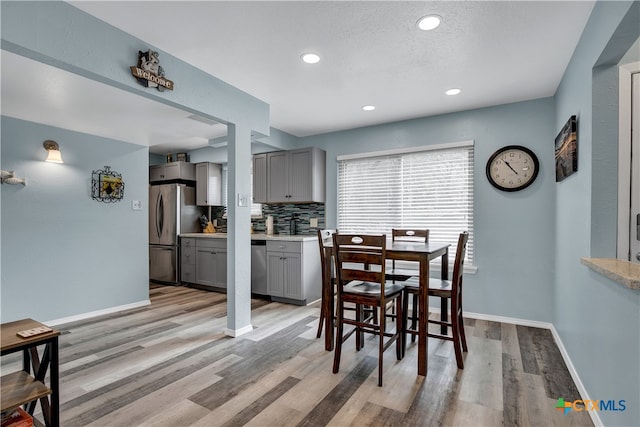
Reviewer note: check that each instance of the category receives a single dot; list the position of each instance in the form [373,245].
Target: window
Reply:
[427,187]
[256,208]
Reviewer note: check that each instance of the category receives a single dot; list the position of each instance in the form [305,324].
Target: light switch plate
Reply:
[243,200]
[136,205]
[313,222]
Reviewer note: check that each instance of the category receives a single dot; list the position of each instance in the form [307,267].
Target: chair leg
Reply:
[359,334]
[338,339]
[405,312]
[444,308]
[414,316]
[455,330]
[321,321]
[381,344]
[400,329]
[463,338]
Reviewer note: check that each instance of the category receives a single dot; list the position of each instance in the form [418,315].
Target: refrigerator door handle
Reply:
[159,214]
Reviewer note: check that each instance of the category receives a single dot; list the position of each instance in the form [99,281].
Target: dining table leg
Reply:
[423,312]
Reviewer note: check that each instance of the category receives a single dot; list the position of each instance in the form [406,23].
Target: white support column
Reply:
[238,231]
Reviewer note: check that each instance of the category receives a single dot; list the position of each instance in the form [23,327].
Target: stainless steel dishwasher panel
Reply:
[259,267]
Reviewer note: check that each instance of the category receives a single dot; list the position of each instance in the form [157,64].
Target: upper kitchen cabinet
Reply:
[208,184]
[295,176]
[173,171]
[260,178]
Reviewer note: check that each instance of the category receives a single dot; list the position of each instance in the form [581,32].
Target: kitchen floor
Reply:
[170,364]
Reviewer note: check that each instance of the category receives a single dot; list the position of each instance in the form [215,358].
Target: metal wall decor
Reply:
[107,185]
[149,73]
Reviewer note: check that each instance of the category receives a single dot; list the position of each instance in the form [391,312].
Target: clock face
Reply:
[512,168]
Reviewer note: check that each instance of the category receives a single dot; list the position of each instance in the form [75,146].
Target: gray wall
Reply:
[64,254]
[597,319]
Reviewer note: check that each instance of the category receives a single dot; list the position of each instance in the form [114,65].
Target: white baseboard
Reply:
[96,313]
[563,351]
[574,374]
[237,332]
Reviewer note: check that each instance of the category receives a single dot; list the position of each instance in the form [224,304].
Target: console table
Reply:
[23,388]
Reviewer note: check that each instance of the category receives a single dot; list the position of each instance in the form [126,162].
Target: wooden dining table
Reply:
[420,252]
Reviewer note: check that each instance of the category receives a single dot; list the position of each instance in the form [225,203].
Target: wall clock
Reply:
[512,168]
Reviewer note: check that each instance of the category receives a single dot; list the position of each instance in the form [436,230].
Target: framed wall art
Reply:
[107,185]
[567,149]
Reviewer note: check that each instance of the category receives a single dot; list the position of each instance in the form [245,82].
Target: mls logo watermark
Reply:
[590,405]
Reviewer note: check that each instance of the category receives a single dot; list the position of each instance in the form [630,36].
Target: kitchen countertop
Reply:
[623,272]
[257,236]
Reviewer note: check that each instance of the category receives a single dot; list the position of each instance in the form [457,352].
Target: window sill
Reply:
[624,272]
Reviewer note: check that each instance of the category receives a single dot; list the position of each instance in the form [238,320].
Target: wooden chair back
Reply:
[355,252]
[325,238]
[413,234]
[458,265]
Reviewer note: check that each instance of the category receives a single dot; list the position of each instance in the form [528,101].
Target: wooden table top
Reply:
[10,339]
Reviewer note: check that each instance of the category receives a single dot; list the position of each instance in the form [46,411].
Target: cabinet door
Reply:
[208,184]
[292,276]
[205,266]
[278,177]
[172,170]
[300,175]
[220,273]
[275,274]
[156,173]
[260,178]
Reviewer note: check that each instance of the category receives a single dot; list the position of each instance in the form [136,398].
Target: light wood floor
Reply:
[170,364]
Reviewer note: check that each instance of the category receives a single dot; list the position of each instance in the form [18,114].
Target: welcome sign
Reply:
[149,73]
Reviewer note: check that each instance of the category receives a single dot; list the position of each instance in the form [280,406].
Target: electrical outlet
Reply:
[313,222]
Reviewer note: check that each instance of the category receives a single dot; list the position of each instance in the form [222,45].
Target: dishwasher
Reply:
[259,267]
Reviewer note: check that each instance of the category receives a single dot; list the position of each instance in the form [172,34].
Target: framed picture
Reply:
[106,185]
[567,150]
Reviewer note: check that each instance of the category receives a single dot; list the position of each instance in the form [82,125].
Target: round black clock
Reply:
[512,168]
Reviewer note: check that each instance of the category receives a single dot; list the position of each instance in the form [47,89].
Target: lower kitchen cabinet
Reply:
[206,263]
[293,271]
[187,260]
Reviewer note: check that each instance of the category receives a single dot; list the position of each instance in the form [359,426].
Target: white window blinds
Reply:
[422,189]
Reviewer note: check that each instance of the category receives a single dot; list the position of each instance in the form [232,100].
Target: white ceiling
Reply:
[372,53]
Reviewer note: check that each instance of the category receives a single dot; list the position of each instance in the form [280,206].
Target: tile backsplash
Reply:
[282,213]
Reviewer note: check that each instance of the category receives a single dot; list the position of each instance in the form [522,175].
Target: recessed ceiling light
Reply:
[310,58]
[429,22]
[453,91]
[369,107]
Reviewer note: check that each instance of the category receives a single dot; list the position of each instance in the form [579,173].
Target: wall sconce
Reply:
[54,155]
[9,177]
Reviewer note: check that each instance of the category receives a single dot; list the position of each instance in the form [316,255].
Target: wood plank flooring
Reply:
[170,364]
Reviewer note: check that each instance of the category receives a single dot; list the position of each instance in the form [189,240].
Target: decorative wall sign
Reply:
[107,185]
[567,149]
[149,73]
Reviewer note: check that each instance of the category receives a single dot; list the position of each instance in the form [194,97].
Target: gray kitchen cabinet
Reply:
[260,178]
[204,262]
[211,263]
[293,272]
[187,260]
[172,171]
[208,184]
[294,176]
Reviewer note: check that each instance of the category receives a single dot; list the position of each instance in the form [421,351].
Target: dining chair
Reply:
[360,273]
[450,290]
[399,274]
[325,237]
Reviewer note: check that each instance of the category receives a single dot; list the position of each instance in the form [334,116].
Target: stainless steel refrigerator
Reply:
[172,211]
